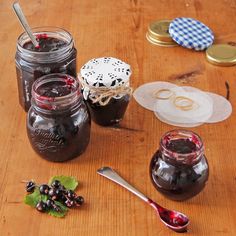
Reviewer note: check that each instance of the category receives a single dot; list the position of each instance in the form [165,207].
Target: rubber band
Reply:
[157,94]
[189,103]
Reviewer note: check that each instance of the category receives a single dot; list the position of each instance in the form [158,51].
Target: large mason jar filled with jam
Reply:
[179,169]
[56,54]
[58,123]
[106,89]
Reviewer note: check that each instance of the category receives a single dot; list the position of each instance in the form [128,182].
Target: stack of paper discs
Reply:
[182,106]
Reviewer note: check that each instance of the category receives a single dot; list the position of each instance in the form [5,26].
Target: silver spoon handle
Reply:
[24,23]
[112,175]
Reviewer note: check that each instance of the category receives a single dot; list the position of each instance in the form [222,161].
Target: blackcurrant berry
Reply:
[69,203]
[79,200]
[41,206]
[50,203]
[44,189]
[30,186]
[51,192]
[56,184]
[55,194]
[63,197]
[62,188]
[70,194]
[59,193]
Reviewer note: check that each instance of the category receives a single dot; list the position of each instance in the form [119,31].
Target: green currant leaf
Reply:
[61,213]
[33,198]
[68,181]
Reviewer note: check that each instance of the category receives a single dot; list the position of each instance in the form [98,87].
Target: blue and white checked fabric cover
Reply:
[191,33]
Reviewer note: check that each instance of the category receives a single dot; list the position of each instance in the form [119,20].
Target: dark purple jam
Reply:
[182,146]
[173,175]
[110,114]
[172,218]
[46,44]
[58,123]
[54,89]
[54,55]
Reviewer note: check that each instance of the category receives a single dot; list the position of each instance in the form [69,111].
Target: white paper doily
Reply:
[105,72]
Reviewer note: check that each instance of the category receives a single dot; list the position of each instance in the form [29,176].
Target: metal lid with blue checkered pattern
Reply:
[191,33]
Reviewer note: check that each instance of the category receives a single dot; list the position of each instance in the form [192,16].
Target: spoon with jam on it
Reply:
[172,219]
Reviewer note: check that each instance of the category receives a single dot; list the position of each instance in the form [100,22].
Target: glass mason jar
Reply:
[106,89]
[56,54]
[179,169]
[58,122]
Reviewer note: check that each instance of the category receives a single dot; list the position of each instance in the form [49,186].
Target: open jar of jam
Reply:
[56,54]
[179,169]
[106,89]
[58,122]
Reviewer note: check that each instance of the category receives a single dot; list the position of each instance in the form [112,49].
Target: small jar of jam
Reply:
[106,89]
[58,122]
[179,169]
[56,54]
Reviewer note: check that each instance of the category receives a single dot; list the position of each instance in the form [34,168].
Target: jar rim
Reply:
[51,29]
[189,157]
[51,103]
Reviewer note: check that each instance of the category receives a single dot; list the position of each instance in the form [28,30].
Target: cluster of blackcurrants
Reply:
[55,192]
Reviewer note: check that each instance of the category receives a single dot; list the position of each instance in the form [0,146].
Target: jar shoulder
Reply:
[162,168]
[36,120]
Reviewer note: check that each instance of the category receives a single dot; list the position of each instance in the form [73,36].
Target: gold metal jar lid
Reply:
[160,43]
[158,33]
[221,55]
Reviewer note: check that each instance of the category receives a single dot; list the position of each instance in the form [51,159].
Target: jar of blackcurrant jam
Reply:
[106,89]
[58,122]
[56,54]
[179,169]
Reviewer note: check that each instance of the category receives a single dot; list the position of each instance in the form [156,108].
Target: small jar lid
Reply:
[158,33]
[221,55]
[191,33]
[160,43]
[105,72]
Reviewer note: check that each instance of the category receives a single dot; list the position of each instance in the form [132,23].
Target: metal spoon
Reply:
[172,219]
[20,15]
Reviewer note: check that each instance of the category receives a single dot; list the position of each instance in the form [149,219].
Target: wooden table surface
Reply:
[118,28]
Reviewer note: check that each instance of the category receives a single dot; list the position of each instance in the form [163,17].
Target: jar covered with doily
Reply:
[106,89]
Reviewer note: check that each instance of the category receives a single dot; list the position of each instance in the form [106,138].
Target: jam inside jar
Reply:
[56,54]
[58,122]
[110,114]
[179,169]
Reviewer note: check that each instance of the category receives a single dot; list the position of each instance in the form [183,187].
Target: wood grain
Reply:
[117,28]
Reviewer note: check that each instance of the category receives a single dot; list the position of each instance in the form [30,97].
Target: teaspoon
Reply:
[172,219]
[24,23]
